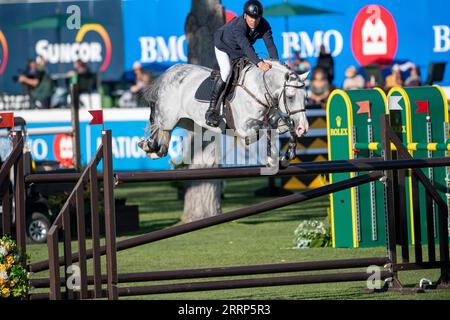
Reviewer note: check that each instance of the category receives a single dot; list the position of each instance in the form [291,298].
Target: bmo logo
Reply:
[63,150]
[374,36]
[157,49]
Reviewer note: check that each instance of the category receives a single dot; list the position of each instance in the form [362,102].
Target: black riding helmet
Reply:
[253,8]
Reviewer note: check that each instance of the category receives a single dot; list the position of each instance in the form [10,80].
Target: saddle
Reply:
[204,91]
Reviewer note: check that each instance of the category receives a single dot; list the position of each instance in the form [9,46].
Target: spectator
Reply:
[326,62]
[394,79]
[299,65]
[133,97]
[353,80]
[38,83]
[83,76]
[30,79]
[414,79]
[139,83]
[320,86]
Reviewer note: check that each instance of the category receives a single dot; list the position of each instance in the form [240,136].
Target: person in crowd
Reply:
[235,40]
[139,78]
[320,87]
[326,62]
[414,79]
[394,79]
[353,80]
[82,75]
[33,74]
[133,97]
[38,83]
[299,65]
[79,67]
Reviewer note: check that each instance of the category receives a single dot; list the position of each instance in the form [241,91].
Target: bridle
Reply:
[272,102]
[283,93]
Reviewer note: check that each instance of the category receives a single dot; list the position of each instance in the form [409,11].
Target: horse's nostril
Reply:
[301,131]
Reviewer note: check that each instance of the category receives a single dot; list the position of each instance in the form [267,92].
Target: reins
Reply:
[272,102]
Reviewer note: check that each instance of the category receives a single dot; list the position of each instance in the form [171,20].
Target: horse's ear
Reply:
[287,75]
[303,76]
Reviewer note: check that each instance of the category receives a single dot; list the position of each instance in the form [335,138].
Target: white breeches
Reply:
[224,63]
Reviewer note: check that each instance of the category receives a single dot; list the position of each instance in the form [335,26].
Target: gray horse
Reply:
[277,95]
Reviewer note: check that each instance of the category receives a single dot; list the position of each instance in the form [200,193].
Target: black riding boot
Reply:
[213,113]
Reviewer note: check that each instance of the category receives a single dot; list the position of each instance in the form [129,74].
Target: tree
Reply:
[205,18]
[202,198]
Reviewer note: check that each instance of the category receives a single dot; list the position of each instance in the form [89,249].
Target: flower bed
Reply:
[312,233]
[14,279]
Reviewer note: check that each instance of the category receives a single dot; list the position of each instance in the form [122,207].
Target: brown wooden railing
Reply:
[375,170]
[62,225]
[14,161]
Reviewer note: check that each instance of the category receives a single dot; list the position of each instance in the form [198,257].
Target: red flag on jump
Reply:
[422,107]
[364,107]
[97,116]
[7,120]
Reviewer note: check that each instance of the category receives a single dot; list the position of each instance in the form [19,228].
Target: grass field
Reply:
[265,238]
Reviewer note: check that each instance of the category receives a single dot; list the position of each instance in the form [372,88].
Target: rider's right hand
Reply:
[264,66]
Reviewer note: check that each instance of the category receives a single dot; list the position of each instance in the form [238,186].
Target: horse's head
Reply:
[291,97]
[276,96]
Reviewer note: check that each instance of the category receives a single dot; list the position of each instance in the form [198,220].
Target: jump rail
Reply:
[372,170]
[320,167]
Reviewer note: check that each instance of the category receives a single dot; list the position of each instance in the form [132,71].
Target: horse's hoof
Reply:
[153,156]
[148,146]
[284,162]
[143,145]
[163,150]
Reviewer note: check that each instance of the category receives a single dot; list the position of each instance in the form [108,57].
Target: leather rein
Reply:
[272,102]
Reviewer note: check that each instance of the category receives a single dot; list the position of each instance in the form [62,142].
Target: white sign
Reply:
[310,46]
[156,49]
[69,52]
[441,38]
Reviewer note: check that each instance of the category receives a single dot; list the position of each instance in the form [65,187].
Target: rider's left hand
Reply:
[264,66]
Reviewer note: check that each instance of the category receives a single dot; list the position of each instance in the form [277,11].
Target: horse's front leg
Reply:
[286,158]
[273,150]
[150,145]
[164,140]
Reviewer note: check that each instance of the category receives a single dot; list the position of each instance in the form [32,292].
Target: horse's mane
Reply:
[278,62]
[280,65]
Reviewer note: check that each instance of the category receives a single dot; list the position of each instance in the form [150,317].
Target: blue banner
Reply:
[127,126]
[355,32]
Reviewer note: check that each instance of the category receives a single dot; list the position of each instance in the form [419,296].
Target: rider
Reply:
[235,40]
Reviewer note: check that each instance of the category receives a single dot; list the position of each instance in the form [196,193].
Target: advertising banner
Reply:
[354,32]
[127,126]
[50,30]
